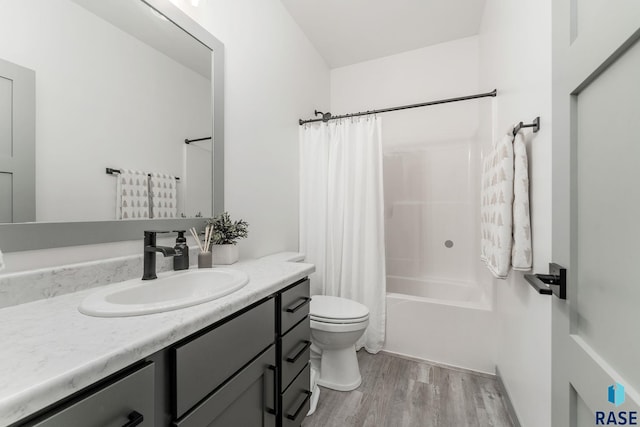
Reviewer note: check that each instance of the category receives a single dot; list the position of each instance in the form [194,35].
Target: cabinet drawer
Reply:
[248,399]
[115,405]
[204,363]
[296,400]
[295,306]
[295,351]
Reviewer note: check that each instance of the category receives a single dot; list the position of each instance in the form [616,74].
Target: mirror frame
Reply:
[46,235]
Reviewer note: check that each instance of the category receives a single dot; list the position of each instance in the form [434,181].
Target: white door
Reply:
[17,143]
[596,212]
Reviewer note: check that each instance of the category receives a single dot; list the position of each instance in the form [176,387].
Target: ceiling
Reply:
[346,32]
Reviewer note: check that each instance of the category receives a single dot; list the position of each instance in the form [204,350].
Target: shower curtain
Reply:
[341,215]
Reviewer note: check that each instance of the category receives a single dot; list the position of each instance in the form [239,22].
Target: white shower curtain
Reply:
[341,215]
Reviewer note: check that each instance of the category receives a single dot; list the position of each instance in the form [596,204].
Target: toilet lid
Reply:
[335,308]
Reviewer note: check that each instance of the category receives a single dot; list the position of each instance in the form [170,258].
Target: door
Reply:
[17,143]
[596,212]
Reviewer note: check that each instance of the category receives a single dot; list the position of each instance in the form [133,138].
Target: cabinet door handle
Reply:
[274,390]
[135,418]
[296,307]
[304,402]
[295,357]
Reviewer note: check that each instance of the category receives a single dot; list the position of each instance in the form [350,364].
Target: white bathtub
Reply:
[440,292]
[441,321]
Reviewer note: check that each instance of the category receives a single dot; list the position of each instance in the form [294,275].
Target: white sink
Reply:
[170,291]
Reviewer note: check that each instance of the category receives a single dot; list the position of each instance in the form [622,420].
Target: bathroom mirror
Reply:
[117,85]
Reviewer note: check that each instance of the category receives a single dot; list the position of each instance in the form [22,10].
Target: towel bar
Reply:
[112,171]
[554,283]
[535,125]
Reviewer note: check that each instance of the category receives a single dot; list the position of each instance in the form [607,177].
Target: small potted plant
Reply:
[226,234]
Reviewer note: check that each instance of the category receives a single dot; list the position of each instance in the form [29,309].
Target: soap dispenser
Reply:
[181,262]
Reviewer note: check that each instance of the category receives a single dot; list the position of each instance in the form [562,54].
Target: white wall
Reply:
[273,77]
[515,57]
[431,167]
[103,99]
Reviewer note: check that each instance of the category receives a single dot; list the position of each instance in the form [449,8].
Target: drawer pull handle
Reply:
[135,418]
[294,308]
[304,402]
[294,358]
[275,390]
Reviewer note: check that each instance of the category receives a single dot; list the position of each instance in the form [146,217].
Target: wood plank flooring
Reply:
[397,392]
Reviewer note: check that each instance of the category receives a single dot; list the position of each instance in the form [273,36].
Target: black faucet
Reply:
[150,250]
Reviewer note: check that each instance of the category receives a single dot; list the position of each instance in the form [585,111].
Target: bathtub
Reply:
[446,322]
[440,292]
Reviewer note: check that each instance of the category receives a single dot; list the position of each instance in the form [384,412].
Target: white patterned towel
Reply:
[496,203]
[132,195]
[521,253]
[164,196]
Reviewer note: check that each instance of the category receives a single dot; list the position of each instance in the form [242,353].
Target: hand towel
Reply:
[132,195]
[164,196]
[496,204]
[521,258]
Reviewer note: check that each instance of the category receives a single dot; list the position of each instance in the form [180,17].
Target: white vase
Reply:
[225,254]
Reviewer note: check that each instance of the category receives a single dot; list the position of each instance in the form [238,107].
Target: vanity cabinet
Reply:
[294,341]
[247,399]
[252,370]
[227,376]
[126,401]
[295,400]
[203,363]
[248,369]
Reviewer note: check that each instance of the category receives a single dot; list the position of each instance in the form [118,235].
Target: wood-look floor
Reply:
[397,392]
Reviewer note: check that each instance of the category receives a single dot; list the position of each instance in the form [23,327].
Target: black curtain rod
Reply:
[327,116]
[189,141]
[112,171]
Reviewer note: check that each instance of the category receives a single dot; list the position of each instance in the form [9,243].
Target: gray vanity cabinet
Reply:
[127,401]
[294,341]
[203,363]
[227,376]
[247,399]
[249,369]
[295,400]
[252,370]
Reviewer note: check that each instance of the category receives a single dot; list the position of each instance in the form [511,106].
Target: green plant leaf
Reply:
[226,231]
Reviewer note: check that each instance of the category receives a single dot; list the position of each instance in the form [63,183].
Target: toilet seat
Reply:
[339,327]
[330,309]
[339,321]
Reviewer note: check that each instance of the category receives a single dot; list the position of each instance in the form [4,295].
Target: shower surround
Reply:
[440,299]
[439,309]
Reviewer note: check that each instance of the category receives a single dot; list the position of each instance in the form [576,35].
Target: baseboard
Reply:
[507,400]
[439,364]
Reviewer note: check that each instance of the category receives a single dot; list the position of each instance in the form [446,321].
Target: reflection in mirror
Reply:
[117,86]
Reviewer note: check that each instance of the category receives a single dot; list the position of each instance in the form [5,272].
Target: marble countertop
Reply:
[50,350]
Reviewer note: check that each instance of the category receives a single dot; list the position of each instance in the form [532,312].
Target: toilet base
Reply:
[340,387]
[339,369]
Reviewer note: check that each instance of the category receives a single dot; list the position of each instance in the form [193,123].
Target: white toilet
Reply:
[336,325]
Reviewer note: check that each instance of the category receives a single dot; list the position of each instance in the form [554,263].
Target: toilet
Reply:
[336,324]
